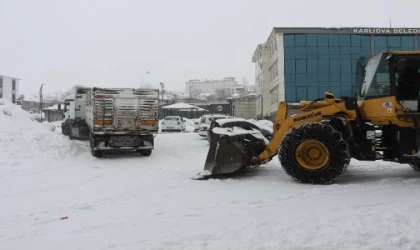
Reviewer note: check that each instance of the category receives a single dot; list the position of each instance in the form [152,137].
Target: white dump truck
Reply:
[113,118]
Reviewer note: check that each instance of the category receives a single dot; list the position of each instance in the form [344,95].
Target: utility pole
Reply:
[190,92]
[162,86]
[40,100]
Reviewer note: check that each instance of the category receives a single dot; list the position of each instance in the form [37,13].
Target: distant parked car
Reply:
[173,123]
[205,122]
[240,123]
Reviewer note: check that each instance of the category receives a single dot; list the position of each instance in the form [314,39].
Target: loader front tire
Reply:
[314,153]
[415,166]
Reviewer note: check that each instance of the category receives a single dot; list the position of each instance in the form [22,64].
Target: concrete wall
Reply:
[53,115]
[245,109]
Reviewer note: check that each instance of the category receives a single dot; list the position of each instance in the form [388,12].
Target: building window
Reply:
[1,94]
[315,63]
[13,84]
[1,82]
[13,98]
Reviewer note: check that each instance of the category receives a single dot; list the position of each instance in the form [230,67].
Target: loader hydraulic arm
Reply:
[282,124]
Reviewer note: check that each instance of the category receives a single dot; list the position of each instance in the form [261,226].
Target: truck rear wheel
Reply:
[146,152]
[95,153]
[314,153]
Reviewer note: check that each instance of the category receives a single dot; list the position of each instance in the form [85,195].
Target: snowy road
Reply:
[135,202]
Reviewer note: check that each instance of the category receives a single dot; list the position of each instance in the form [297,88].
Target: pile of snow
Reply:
[51,127]
[239,131]
[265,124]
[35,116]
[23,139]
[189,125]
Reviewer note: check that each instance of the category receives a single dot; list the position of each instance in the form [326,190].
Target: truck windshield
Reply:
[377,78]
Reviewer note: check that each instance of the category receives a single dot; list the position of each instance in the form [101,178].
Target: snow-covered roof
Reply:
[223,121]
[182,105]
[198,109]
[53,107]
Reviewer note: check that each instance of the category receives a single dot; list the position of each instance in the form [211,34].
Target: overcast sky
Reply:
[113,43]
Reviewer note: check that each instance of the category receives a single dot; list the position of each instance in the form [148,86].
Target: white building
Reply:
[262,82]
[197,87]
[9,88]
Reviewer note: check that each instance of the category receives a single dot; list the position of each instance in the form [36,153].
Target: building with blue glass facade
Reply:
[302,63]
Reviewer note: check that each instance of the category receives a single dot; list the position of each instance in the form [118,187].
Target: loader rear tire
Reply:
[314,153]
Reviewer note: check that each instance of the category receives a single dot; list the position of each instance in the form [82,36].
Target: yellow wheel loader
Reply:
[316,144]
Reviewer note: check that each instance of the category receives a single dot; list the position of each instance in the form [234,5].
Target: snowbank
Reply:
[51,127]
[189,125]
[23,139]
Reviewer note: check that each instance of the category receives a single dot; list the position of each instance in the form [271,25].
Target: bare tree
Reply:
[195,93]
[146,86]
[221,94]
[211,98]
[71,91]
[21,97]
[176,97]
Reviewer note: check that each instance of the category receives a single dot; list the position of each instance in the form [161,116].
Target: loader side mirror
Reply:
[401,66]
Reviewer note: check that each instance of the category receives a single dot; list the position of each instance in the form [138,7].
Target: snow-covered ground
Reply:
[55,195]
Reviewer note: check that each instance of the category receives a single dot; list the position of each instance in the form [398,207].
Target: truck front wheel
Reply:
[64,130]
[68,132]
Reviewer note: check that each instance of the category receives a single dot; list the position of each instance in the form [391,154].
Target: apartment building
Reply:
[262,82]
[9,88]
[195,87]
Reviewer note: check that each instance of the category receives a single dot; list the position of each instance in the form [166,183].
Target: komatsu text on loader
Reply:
[316,144]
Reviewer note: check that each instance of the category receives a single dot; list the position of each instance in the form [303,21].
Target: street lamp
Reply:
[40,99]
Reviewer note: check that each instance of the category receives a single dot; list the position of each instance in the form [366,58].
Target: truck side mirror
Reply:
[401,65]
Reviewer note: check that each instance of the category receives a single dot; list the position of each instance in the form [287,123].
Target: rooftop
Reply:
[349,30]
[10,77]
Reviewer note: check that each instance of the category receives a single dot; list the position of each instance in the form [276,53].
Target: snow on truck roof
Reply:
[182,105]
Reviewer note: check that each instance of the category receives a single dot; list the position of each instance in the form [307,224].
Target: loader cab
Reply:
[392,74]
[377,81]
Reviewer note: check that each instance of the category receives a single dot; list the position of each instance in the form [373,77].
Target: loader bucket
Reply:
[229,153]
